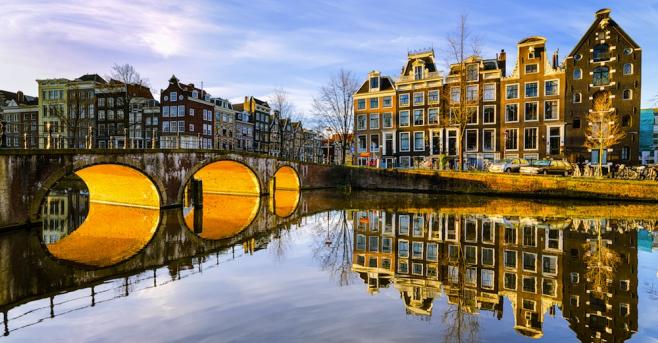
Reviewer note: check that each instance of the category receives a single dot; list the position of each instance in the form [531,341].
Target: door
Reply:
[554,140]
[389,148]
[436,146]
[452,142]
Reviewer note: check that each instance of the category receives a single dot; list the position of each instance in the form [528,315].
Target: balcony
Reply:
[427,76]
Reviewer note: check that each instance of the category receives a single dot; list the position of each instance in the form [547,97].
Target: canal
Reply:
[331,266]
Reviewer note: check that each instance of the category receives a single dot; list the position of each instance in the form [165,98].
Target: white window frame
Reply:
[580,98]
[494,114]
[630,92]
[525,69]
[365,126]
[536,138]
[408,118]
[525,84]
[516,260]
[493,256]
[484,88]
[422,102]
[414,143]
[493,149]
[476,115]
[384,101]
[523,261]
[623,69]
[525,119]
[438,116]
[392,120]
[408,140]
[477,140]
[438,97]
[400,103]
[518,91]
[557,110]
[580,74]
[557,87]
[372,115]
[552,257]
[453,101]
[517,139]
[370,103]
[477,93]
[422,115]
[517,112]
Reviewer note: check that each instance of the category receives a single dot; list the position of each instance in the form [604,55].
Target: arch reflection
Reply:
[286,179]
[284,203]
[222,215]
[104,215]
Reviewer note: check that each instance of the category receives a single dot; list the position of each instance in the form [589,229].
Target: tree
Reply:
[334,252]
[460,111]
[126,81]
[603,127]
[601,262]
[75,120]
[280,103]
[334,106]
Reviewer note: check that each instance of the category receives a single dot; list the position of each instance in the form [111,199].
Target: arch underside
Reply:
[224,215]
[287,179]
[285,202]
[228,177]
[123,217]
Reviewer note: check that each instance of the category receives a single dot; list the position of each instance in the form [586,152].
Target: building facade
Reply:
[19,115]
[225,130]
[187,118]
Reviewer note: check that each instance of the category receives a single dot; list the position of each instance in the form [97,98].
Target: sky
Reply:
[239,48]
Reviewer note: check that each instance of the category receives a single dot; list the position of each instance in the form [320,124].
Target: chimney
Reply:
[603,13]
[20,98]
[556,58]
[502,61]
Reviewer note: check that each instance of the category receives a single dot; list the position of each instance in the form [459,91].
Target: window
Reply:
[531,112]
[531,90]
[374,142]
[470,231]
[419,99]
[181,126]
[628,51]
[374,102]
[601,53]
[628,68]
[510,259]
[361,141]
[628,94]
[531,68]
[173,96]
[574,277]
[512,91]
[432,251]
[417,250]
[455,94]
[549,287]
[361,104]
[403,99]
[418,117]
[361,122]
[374,121]
[403,267]
[577,98]
[511,113]
[550,109]
[387,244]
[510,281]
[191,127]
[404,118]
[549,264]
[577,74]
[433,96]
[388,101]
[625,153]
[165,126]
[529,262]
[510,235]
[433,116]
[417,268]
[471,140]
[601,76]
[374,82]
[529,284]
[511,139]
[387,120]
[181,110]
[551,87]
[472,72]
[419,141]
[528,304]
[530,138]
[373,243]
[404,141]
[470,254]
[470,278]
[489,114]
[403,248]
[488,139]
[487,256]
[489,92]
[418,72]
[472,93]
[191,111]
[487,279]
[529,236]
[576,123]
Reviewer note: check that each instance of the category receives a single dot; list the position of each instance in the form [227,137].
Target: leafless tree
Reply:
[601,262]
[334,251]
[603,126]
[281,104]
[460,110]
[76,119]
[335,109]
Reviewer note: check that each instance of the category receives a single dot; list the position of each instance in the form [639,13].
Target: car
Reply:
[548,167]
[510,165]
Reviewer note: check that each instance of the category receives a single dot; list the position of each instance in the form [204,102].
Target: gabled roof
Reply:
[601,15]
[385,83]
[91,77]
[238,107]
[19,98]
[427,57]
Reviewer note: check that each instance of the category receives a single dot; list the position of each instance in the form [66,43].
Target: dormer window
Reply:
[173,96]
[195,94]
[374,82]
[601,53]
[472,72]
[418,72]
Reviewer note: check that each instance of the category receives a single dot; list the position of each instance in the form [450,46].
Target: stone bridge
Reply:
[143,178]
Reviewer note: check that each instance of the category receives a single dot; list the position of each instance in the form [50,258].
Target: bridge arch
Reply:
[123,216]
[285,178]
[223,176]
[285,187]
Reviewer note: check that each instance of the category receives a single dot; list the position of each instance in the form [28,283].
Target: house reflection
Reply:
[587,268]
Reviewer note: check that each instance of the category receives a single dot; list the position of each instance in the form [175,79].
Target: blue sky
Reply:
[239,48]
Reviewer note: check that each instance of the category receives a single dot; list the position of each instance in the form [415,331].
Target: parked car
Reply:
[548,167]
[510,165]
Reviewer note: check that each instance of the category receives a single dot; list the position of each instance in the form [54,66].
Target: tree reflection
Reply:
[601,262]
[334,251]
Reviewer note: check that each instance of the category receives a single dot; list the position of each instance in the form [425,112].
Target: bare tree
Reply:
[128,84]
[460,110]
[601,263]
[603,126]
[280,103]
[76,119]
[334,106]
[335,252]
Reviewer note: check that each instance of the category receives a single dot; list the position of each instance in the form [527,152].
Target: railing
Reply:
[425,76]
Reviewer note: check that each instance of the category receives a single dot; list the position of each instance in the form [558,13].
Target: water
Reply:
[325,266]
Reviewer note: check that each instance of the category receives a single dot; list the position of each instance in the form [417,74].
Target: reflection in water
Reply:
[476,270]
[109,235]
[284,202]
[222,215]
[585,267]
